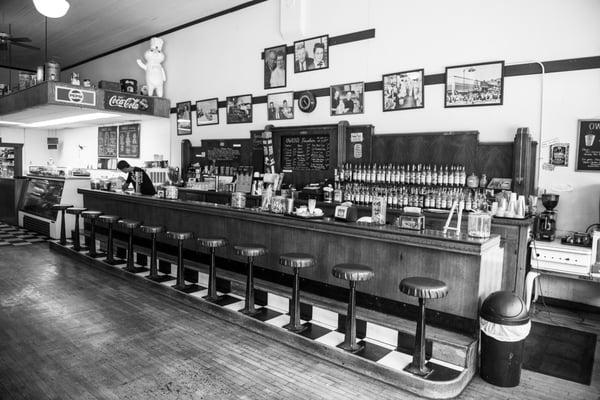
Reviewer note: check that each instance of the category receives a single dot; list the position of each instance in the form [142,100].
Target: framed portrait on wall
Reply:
[347,98]
[475,85]
[184,118]
[311,54]
[207,112]
[280,106]
[403,90]
[239,109]
[275,66]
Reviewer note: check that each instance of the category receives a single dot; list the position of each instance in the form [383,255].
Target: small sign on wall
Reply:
[559,154]
[129,141]
[588,145]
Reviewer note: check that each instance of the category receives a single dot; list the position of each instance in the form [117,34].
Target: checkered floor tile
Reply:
[14,236]
[382,345]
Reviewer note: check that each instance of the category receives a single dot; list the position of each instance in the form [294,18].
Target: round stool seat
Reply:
[212,241]
[297,260]
[109,219]
[180,235]
[250,250]
[129,223]
[91,214]
[353,272]
[152,228]
[76,210]
[61,206]
[425,288]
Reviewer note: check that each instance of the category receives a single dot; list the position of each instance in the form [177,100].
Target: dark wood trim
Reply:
[175,29]
[16,68]
[567,304]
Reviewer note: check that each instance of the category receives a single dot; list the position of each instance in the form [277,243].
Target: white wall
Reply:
[221,57]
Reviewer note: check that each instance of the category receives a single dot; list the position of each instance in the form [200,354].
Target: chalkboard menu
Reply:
[107,141]
[229,152]
[305,152]
[588,145]
[224,153]
[129,141]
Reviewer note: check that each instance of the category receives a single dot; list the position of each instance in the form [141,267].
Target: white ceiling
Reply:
[93,27]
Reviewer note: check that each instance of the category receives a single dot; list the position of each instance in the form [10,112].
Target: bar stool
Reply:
[180,237]
[153,231]
[250,251]
[62,208]
[296,261]
[92,216]
[423,288]
[110,220]
[130,225]
[352,273]
[76,211]
[212,243]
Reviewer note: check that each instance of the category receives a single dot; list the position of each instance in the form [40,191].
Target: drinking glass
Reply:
[311,205]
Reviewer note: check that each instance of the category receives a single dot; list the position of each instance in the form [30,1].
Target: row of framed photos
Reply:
[466,85]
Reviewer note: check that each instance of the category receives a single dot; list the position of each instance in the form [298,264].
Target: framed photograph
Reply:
[275,66]
[475,85]
[184,118]
[239,109]
[588,145]
[280,106]
[311,54]
[347,98]
[207,112]
[559,154]
[403,90]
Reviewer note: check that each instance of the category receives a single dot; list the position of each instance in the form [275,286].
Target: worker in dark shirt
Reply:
[147,186]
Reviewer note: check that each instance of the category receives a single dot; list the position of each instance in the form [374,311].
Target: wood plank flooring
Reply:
[71,332]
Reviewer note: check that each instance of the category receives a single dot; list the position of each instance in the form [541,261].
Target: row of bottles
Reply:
[403,174]
[413,196]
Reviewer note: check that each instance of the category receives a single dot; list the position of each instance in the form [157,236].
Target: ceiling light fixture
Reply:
[71,120]
[52,8]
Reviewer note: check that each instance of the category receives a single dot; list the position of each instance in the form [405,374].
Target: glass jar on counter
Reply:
[238,200]
[479,224]
[278,205]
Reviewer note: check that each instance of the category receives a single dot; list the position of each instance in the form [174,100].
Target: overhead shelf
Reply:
[56,100]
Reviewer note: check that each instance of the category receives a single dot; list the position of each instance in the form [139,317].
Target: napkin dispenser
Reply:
[411,218]
[346,213]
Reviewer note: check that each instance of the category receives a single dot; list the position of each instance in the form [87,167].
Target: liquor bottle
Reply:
[445,176]
[402,175]
[462,176]
[394,198]
[456,176]
[354,173]
[361,174]
[451,176]
[440,178]
[428,176]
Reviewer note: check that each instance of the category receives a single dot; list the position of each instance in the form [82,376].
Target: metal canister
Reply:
[238,200]
[52,71]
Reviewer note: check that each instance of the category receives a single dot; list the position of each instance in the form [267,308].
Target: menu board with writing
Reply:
[129,141]
[107,141]
[588,145]
[305,152]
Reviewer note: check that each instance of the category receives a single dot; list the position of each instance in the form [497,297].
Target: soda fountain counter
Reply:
[45,188]
[472,268]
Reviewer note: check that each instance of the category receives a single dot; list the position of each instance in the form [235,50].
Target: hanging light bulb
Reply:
[52,8]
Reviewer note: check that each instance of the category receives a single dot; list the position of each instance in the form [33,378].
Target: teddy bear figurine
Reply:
[155,74]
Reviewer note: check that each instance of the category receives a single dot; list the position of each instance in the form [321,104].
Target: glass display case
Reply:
[41,195]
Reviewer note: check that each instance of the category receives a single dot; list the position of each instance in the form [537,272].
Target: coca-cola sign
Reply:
[128,102]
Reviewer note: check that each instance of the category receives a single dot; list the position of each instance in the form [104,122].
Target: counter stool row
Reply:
[420,287]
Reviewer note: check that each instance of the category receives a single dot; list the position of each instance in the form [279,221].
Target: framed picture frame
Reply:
[275,67]
[588,145]
[207,112]
[474,85]
[184,118]
[559,154]
[347,98]
[280,106]
[239,109]
[311,54]
[403,90]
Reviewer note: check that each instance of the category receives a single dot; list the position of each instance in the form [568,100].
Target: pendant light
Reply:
[52,8]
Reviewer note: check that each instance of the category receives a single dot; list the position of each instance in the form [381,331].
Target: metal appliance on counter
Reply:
[545,226]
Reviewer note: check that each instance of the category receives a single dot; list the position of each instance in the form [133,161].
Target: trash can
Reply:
[504,323]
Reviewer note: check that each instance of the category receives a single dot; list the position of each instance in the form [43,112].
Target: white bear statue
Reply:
[155,74]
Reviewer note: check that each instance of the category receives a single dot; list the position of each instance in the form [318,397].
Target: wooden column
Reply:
[522,168]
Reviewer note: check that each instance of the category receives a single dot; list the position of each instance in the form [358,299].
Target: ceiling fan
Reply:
[6,40]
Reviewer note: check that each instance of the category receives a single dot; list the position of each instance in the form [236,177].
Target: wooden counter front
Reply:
[472,268]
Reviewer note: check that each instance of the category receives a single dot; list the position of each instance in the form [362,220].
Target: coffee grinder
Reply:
[546,220]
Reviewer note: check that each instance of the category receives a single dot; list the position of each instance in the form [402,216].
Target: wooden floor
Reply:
[71,332]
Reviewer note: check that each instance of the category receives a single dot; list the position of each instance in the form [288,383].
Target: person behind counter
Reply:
[147,185]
